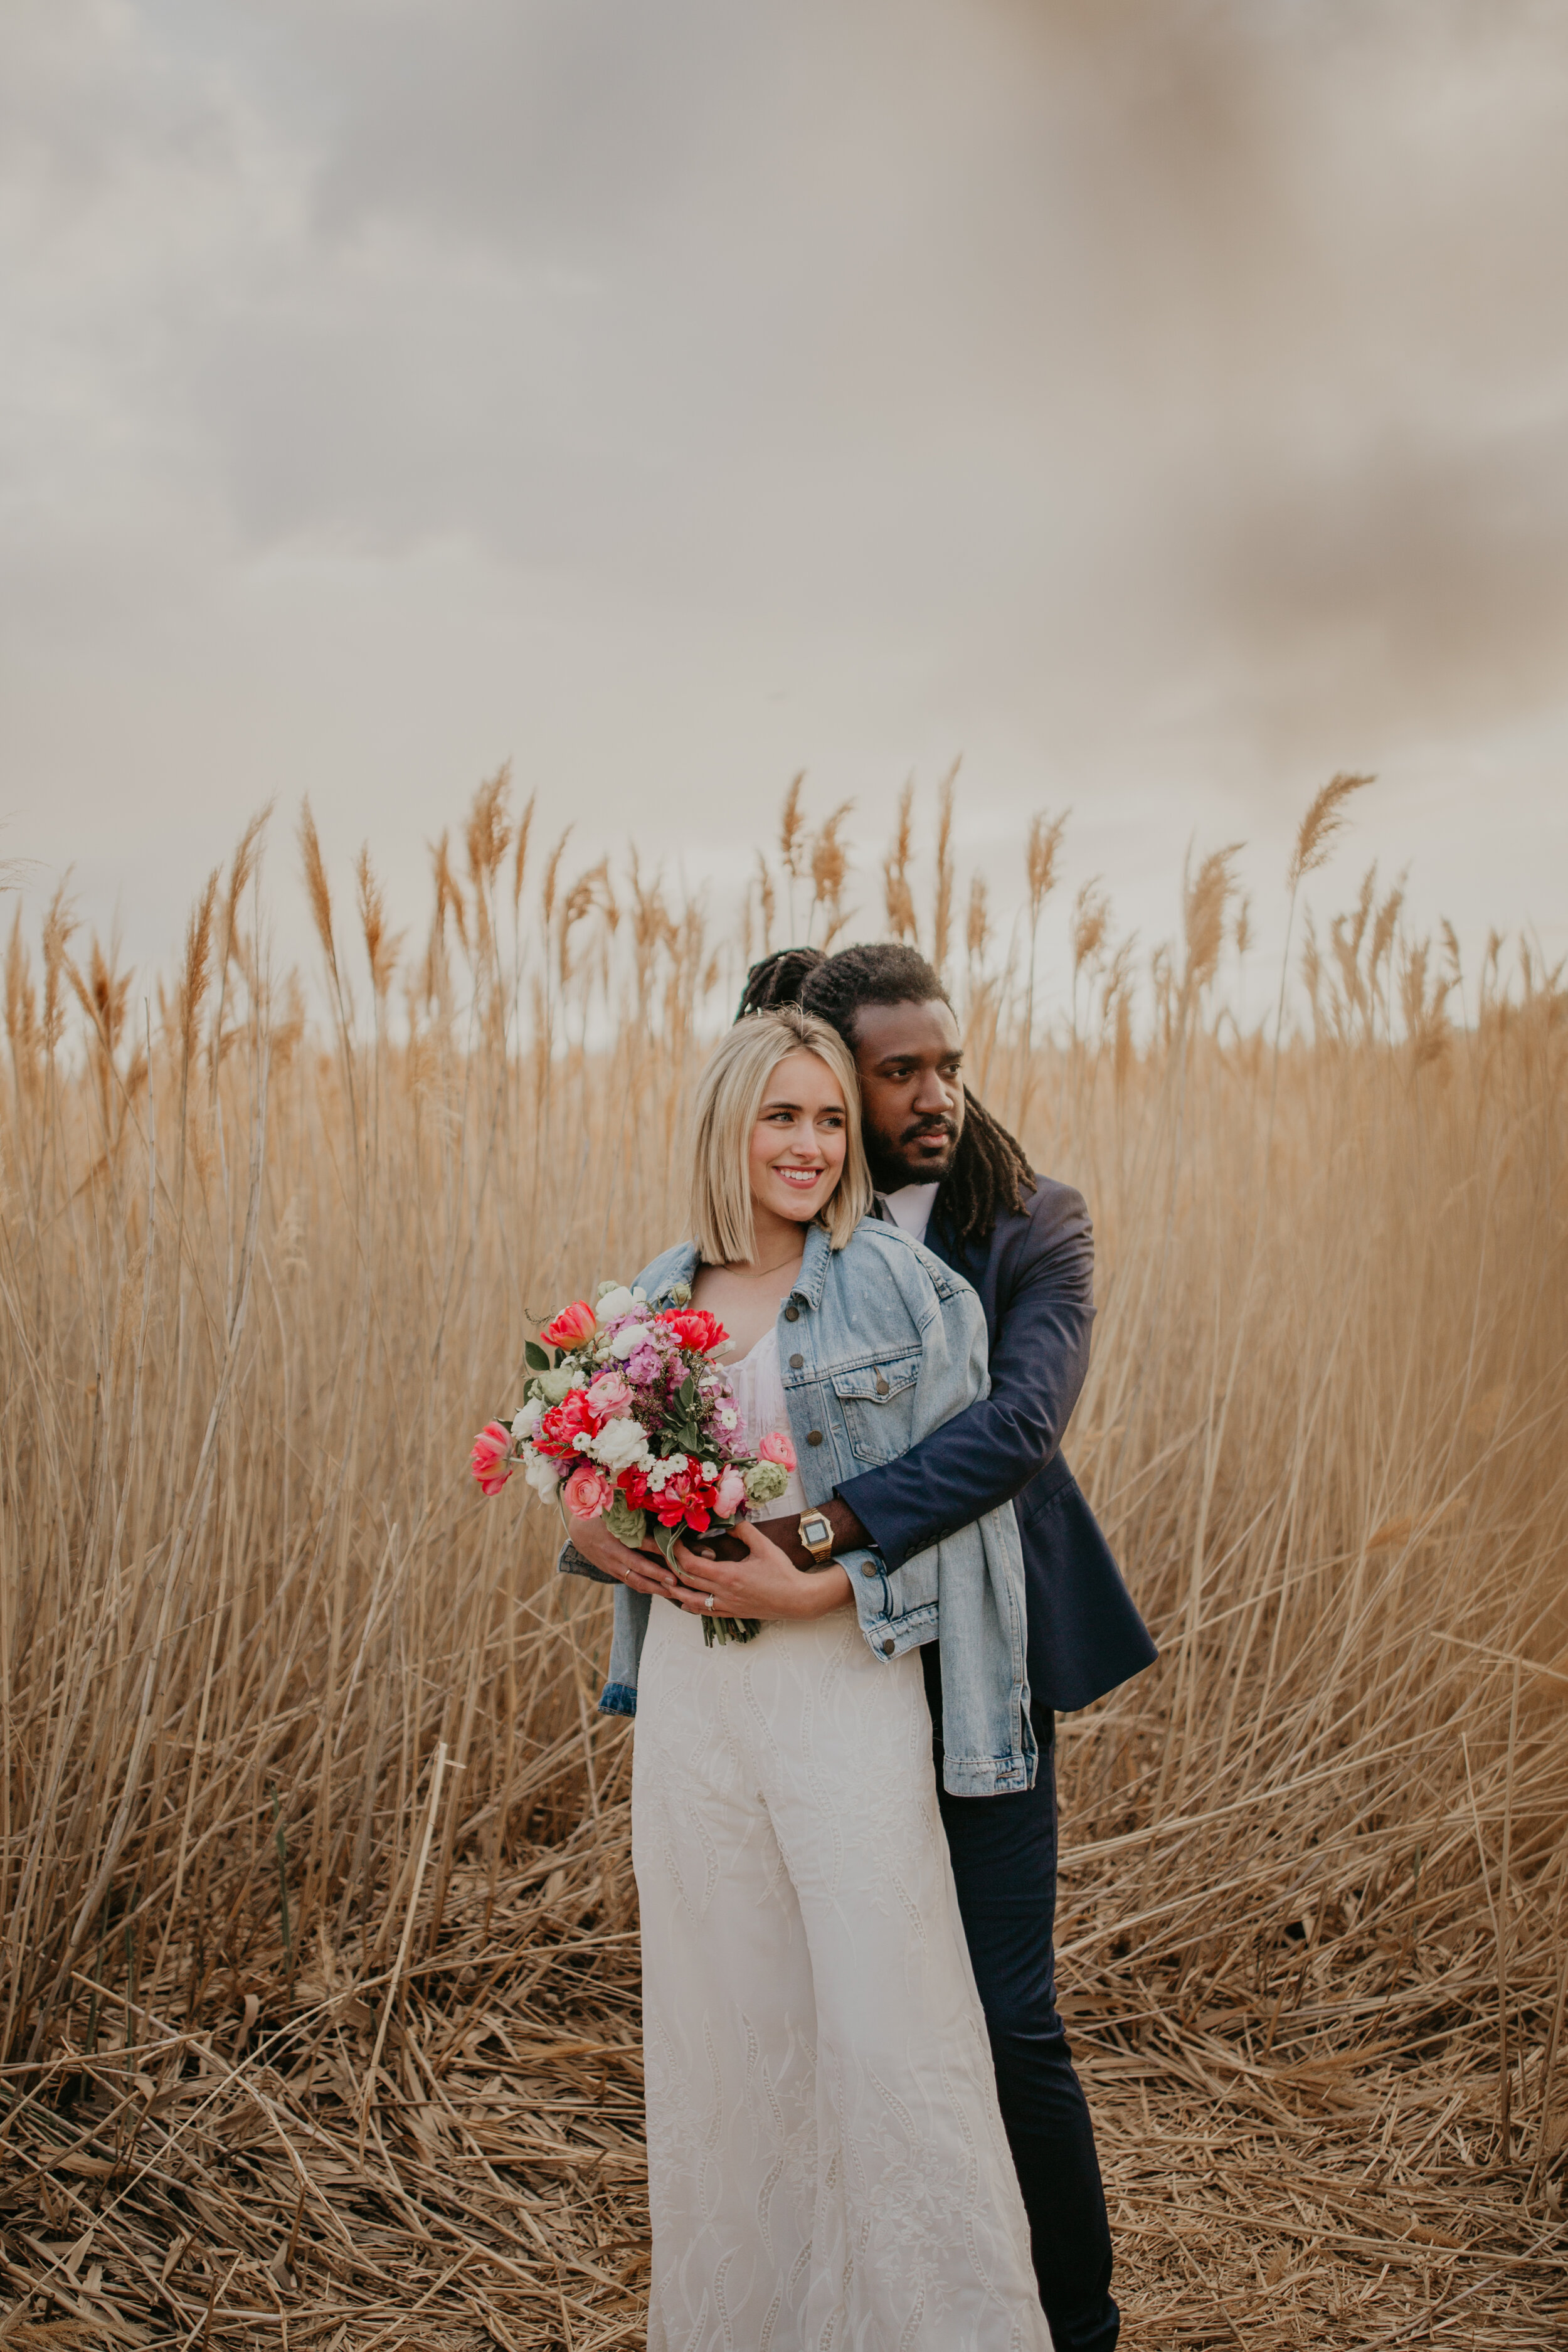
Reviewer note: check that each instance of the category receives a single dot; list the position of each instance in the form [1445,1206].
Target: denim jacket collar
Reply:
[813,1266]
[684,1262]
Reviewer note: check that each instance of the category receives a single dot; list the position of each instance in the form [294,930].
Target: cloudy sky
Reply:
[1163,403]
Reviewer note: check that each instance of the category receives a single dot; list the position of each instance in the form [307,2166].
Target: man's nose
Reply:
[934,1095]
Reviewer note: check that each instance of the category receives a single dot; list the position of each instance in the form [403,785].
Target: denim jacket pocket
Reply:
[878,1401]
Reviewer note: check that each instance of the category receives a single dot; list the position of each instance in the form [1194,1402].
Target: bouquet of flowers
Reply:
[627,1417]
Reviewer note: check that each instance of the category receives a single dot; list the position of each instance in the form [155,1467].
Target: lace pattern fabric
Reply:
[826,2163]
[758,1387]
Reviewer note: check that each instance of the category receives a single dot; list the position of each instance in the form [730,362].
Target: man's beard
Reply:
[894,1162]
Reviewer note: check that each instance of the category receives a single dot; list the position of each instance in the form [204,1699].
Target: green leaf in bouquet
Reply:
[535,1356]
[667,1538]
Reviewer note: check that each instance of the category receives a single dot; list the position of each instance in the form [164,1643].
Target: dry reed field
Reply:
[319,2005]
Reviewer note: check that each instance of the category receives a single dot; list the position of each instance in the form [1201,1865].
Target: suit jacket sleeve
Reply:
[1039,1355]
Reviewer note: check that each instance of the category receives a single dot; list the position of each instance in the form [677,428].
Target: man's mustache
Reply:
[923,1127]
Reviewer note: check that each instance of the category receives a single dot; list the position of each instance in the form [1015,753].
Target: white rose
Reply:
[628,1340]
[618,1444]
[539,1471]
[618,1301]
[525,1423]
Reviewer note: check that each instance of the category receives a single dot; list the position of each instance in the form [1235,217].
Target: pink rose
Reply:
[730,1494]
[572,1327]
[610,1396]
[489,1461]
[776,1447]
[587,1492]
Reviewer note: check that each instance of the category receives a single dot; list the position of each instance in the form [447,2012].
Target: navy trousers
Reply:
[1004,1853]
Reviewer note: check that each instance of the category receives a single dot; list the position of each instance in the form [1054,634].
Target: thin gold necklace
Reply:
[762,1270]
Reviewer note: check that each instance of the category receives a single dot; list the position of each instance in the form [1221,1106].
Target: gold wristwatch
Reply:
[816,1533]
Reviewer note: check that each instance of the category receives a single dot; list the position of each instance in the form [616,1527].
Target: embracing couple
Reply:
[864,2127]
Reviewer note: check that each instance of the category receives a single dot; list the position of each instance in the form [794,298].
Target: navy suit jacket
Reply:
[1034,1275]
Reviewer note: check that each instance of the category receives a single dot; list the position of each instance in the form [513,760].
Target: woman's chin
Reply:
[801,1207]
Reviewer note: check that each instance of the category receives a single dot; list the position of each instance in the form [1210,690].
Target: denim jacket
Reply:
[880,1343]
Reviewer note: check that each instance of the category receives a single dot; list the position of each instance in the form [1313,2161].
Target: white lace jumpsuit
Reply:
[827,2162]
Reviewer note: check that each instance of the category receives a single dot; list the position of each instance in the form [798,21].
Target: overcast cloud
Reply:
[1163,403]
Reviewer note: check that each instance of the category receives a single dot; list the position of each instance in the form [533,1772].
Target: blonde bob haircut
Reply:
[730,1096]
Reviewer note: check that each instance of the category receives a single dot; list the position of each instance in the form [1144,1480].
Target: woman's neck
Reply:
[776,1242]
[746,1298]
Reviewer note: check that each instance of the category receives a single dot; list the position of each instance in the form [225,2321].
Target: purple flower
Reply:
[644,1366]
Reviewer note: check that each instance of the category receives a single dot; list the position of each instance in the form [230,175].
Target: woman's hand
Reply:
[639,1571]
[764,1584]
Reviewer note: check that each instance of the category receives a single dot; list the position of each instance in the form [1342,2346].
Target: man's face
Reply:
[912,1091]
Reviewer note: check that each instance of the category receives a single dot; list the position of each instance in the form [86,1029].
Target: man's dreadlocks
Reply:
[989,1171]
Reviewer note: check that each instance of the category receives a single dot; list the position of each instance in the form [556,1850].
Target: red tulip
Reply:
[572,1327]
[695,1327]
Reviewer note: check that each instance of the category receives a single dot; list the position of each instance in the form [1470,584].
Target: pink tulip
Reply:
[730,1494]
[776,1447]
[572,1327]
[587,1492]
[489,1461]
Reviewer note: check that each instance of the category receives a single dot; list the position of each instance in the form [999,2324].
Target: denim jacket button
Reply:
[792,1315]
[888,1646]
[870,1568]
[814,1436]
[796,1362]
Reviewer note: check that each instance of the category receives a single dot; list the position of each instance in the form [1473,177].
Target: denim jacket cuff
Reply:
[571,1562]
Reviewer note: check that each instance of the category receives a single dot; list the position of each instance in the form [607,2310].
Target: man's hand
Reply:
[764,1585]
[848,1535]
[639,1571]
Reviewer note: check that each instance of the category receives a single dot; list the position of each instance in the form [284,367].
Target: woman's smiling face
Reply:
[798,1142]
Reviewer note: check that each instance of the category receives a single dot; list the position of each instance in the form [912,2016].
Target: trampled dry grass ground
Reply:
[320,1978]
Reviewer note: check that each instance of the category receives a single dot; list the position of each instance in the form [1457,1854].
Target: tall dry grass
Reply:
[319,1943]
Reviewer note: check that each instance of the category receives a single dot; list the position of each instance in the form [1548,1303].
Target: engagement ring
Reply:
[709,1602]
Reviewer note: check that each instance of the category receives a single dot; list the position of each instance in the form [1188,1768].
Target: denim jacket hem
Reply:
[987,1776]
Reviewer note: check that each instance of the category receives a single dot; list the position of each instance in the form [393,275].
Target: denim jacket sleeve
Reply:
[966,1587]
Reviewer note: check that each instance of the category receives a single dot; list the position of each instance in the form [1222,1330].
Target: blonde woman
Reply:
[827,2162]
